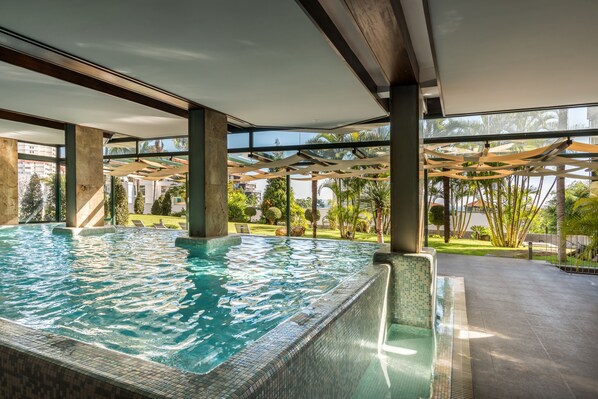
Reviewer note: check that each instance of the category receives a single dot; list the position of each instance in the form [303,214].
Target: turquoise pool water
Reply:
[135,292]
[405,366]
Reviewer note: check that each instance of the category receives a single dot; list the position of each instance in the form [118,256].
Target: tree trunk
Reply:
[379,226]
[314,206]
[447,212]
[560,216]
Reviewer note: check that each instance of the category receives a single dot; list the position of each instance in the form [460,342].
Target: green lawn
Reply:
[470,247]
[455,246]
[149,220]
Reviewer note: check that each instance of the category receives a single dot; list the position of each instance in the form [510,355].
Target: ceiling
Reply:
[261,61]
[36,94]
[32,133]
[513,54]
[271,64]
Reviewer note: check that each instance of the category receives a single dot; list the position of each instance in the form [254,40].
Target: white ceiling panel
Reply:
[513,54]
[26,132]
[36,94]
[262,61]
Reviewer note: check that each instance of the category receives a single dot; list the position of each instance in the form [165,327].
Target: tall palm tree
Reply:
[377,195]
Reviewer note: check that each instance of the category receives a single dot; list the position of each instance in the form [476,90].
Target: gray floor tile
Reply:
[534,328]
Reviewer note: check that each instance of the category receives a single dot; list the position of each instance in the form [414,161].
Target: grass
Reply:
[149,220]
[464,246]
[455,246]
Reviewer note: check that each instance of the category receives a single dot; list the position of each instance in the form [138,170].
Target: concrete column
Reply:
[412,296]
[84,177]
[9,182]
[406,186]
[207,181]
[208,178]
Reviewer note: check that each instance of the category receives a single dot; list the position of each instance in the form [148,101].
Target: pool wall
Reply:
[320,352]
[412,294]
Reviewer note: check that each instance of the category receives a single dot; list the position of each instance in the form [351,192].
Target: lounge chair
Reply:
[183,225]
[160,225]
[138,223]
[242,228]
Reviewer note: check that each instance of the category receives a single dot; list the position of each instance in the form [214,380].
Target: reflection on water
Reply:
[137,293]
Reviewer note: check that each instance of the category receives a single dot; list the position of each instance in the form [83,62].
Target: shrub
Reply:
[436,216]
[297,231]
[298,215]
[250,212]
[272,214]
[121,203]
[166,204]
[480,232]
[308,215]
[139,206]
[180,213]
[237,202]
[157,206]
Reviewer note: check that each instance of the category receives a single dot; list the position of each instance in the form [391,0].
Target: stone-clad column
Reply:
[84,182]
[207,180]
[9,182]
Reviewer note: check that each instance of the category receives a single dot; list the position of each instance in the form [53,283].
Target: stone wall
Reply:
[9,183]
[85,179]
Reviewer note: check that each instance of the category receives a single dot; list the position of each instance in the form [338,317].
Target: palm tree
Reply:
[377,194]
[585,222]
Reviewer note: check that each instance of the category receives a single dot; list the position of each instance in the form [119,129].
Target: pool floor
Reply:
[405,367]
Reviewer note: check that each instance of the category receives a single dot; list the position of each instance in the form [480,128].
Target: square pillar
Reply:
[207,181]
[84,177]
[208,175]
[412,296]
[405,166]
[9,178]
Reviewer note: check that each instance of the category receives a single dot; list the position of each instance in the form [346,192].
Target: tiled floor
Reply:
[533,328]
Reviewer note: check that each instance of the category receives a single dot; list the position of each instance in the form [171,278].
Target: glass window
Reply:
[163,145]
[118,148]
[238,140]
[37,191]
[567,119]
[36,149]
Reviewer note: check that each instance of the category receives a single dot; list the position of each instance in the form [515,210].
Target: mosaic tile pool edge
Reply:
[412,298]
[308,347]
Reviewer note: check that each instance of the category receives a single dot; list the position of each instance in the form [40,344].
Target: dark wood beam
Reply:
[323,21]
[433,108]
[31,119]
[26,53]
[382,23]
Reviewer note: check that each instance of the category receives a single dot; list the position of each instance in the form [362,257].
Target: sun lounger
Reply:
[160,225]
[183,225]
[138,223]
[242,228]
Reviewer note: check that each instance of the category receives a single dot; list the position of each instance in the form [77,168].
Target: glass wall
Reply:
[568,119]
[37,191]
[41,192]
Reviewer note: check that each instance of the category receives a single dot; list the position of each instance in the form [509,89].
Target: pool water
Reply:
[135,292]
[405,366]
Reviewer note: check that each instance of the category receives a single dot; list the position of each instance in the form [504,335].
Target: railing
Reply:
[581,256]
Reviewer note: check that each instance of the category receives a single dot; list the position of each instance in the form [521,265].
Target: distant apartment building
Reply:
[250,189]
[42,169]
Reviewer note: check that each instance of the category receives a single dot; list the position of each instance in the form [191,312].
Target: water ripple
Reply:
[137,293]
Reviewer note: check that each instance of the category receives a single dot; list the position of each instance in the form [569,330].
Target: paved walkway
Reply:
[533,328]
